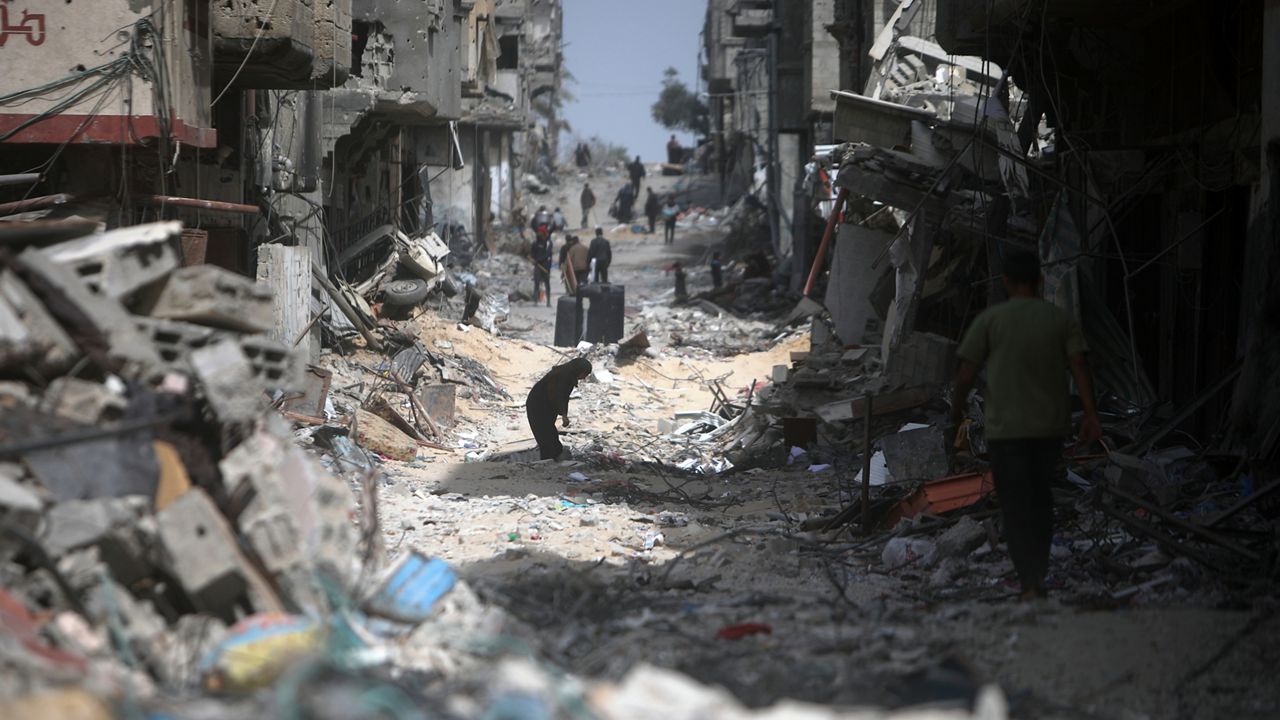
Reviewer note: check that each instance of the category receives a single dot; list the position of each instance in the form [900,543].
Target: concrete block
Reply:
[287,271]
[121,262]
[297,520]
[83,401]
[375,434]
[174,341]
[20,507]
[853,278]
[778,374]
[922,360]
[29,336]
[917,454]
[88,314]
[202,554]
[120,529]
[275,365]
[228,382]
[209,295]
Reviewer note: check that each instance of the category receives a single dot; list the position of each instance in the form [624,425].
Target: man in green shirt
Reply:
[1027,346]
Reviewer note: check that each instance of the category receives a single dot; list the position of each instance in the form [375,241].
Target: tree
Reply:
[677,107]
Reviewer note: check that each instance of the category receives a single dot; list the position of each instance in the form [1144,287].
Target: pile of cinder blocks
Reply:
[139,454]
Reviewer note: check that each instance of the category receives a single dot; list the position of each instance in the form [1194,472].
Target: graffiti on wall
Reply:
[31,26]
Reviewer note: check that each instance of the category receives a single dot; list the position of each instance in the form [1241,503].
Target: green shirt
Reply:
[1026,345]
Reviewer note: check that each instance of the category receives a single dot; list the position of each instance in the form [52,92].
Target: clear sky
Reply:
[617,50]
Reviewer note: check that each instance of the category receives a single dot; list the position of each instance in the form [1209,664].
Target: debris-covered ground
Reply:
[198,523]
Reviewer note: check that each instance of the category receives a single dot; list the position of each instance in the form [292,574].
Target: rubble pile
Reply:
[1140,522]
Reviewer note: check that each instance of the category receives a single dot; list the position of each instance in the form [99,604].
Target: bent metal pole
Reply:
[841,197]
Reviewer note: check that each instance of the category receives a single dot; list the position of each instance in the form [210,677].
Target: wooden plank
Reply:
[287,269]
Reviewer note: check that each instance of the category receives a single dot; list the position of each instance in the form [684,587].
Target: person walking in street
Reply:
[550,398]
[575,264]
[636,170]
[582,156]
[717,279]
[541,251]
[652,206]
[670,211]
[601,255]
[623,204]
[1027,346]
[682,282]
[588,201]
[557,221]
[675,153]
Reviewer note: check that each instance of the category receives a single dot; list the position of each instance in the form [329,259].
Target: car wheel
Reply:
[405,292]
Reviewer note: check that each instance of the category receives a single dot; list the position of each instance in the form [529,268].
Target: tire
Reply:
[409,291]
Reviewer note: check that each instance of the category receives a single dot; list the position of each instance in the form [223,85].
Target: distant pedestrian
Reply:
[548,398]
[636,170]
[716,278]
[575,265]
[557,221]
[541,251]
[601,254]
[1028,346]
[652,206]
[540,218]
[623,203]
[670,211]
[682,282]
[588,200]
[675,153]
[582,156]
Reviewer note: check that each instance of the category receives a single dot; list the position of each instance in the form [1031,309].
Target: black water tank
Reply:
[605,314]
[568,321]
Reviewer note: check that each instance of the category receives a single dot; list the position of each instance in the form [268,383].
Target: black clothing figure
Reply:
[549,398]
[636,169]
[588,200]
[541,254]
[602,253]
[652,206]
[682,288]
[675,153]
[624,202]
[717,279]
[582,155]
[473,304]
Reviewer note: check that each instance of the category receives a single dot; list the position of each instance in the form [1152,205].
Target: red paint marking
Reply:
[35,34]
[104,129]
[737,632]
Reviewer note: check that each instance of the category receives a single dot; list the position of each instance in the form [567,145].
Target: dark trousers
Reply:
[602,272]
[586,214]
[669,232]
[541,279]
[653,223]
[542,421]
[1024,471]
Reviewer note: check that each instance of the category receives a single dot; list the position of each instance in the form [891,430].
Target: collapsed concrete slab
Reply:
[209,295]
[121,262]
[99,323]
[29,336]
